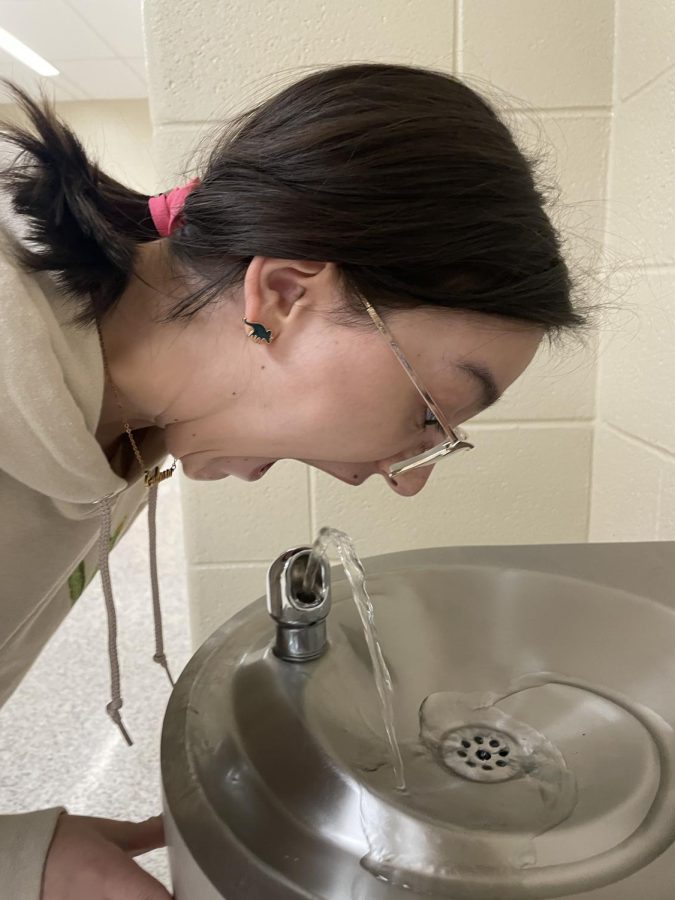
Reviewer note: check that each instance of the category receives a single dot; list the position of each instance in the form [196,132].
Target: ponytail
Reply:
[81,225]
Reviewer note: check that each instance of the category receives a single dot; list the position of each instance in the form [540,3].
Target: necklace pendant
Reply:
[154,476]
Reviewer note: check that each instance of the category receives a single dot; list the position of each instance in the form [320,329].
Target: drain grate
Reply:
[481,754]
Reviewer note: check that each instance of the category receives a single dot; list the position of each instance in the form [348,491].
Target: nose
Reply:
[410,483]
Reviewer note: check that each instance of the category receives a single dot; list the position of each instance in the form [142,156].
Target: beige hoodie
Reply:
[55,525]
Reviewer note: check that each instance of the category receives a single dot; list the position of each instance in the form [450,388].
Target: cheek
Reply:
[366,409]
[360,427]
[341,409]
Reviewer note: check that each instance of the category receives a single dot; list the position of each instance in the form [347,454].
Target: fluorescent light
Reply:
[25,55]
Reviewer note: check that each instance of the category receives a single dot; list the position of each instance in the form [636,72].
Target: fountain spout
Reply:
[300,614]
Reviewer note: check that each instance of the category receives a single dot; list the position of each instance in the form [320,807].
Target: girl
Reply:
[363,263]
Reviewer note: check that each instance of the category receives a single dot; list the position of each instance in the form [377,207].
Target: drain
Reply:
[481,754]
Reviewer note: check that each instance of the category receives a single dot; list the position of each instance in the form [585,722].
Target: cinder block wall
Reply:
[529,478]
[634,462]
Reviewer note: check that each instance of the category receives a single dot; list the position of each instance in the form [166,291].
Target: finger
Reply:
[134,838]
[148,835]
[130,882]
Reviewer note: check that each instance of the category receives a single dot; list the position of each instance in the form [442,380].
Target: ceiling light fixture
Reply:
[25,55]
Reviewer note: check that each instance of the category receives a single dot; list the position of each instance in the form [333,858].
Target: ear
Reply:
[272,288]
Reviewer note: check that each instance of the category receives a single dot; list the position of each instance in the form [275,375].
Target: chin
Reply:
[198,468]
[244,468]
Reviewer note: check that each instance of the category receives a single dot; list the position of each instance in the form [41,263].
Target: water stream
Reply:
[357,579]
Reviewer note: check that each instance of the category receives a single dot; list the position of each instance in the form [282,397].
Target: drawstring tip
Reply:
[161,660]
[113,710]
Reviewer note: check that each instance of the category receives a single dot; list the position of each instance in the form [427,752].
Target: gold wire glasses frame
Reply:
[457,438]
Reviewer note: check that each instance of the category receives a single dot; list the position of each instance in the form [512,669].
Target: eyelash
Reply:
[430,419]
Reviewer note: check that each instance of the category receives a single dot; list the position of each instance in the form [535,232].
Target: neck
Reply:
[171,375]
[137,379]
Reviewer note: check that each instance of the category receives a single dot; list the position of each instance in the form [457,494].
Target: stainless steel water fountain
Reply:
[535,710]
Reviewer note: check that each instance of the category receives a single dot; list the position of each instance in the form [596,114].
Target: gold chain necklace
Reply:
[151,476]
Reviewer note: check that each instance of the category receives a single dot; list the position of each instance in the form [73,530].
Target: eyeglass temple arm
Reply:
[387,335]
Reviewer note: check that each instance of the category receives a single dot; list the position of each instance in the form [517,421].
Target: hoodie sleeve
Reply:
[24,844]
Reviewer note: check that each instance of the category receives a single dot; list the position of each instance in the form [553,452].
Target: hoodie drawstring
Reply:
[160,656]
[113,708]
[115,705]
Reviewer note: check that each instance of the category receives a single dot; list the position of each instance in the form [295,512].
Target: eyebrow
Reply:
[489,387]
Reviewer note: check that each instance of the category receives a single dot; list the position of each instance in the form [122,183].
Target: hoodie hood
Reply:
[51,392]
[54,454]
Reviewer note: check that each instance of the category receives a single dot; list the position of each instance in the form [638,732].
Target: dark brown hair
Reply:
[404,177]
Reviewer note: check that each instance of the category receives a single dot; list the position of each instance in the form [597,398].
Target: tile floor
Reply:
[57,745]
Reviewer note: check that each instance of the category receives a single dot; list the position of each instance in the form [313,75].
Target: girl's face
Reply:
[330,395]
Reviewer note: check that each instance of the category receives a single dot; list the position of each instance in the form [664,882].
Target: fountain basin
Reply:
[277,777]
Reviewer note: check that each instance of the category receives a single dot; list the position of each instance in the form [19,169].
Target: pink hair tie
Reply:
[166,209]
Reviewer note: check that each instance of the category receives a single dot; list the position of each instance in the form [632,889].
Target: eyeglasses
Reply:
[457,438]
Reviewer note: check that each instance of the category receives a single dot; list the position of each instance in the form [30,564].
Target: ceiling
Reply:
[97,46]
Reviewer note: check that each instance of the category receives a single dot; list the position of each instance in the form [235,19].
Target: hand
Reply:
[91,859]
